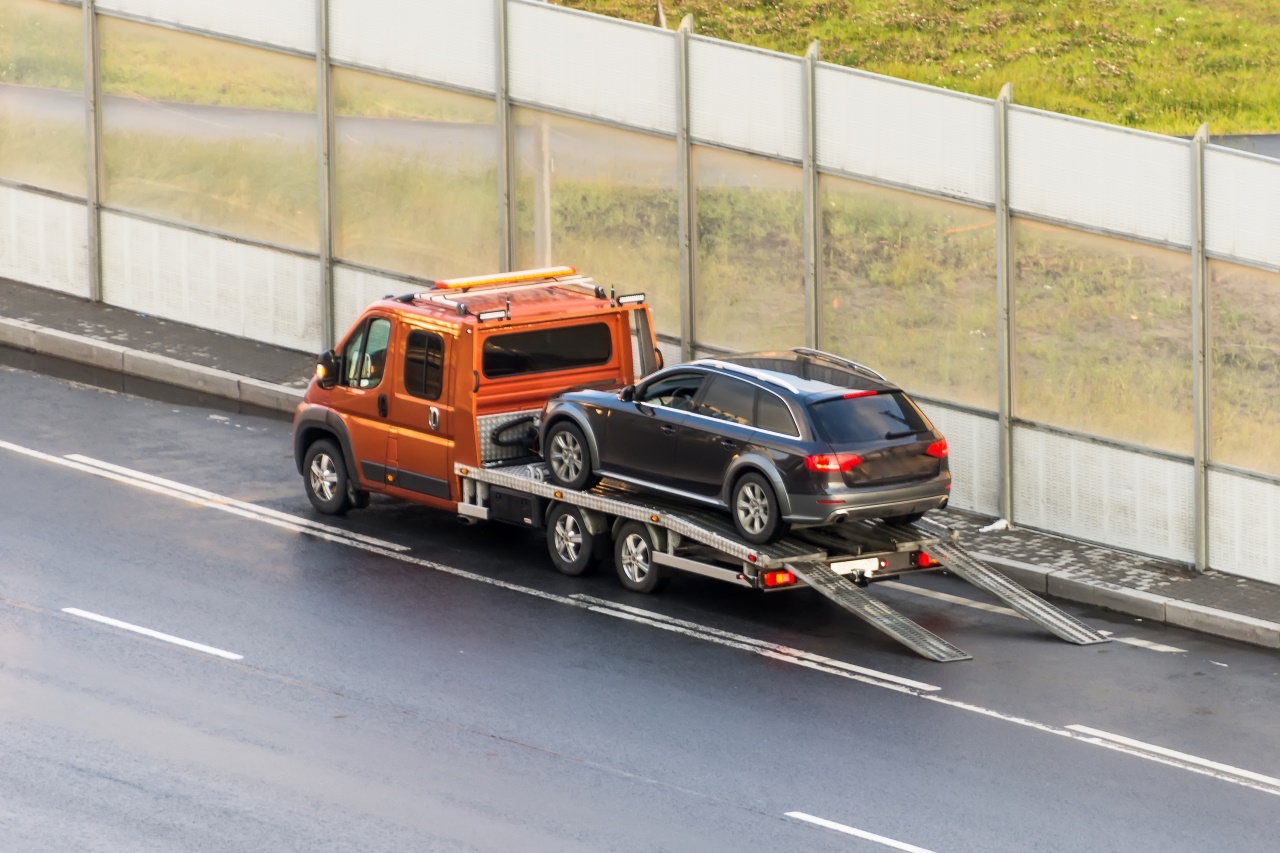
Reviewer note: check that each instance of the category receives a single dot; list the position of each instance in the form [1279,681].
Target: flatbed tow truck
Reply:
[428,395]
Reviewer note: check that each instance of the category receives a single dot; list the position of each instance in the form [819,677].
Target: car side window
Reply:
[424,364]
[675,392]
[729,400]
[772,414]
[365,357]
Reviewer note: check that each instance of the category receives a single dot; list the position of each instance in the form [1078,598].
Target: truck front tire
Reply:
[324,474]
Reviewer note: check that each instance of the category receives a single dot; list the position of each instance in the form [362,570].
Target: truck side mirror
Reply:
[327,369]
[627,394]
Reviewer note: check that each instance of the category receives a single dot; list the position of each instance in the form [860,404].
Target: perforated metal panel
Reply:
[1244,526]
[915,136]
[44,241]
[592,66]
[1242,206]
[747,99]
[443,41]
[354,289]
[1092,491]
[974,445]
[1100,176]
[211,282]
[287,23]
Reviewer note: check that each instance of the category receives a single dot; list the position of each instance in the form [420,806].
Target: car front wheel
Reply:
[569,458]
[755,510]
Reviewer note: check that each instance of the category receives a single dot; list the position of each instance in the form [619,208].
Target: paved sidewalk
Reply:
[259,375]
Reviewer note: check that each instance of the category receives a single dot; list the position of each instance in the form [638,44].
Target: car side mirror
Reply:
[327,369]
[627,394]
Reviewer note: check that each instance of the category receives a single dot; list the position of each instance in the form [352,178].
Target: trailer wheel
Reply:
[325,476]
[633,554]
[573,549]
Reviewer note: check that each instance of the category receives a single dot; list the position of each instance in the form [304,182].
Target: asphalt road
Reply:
[433,686]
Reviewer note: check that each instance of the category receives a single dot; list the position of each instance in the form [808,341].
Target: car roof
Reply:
[806,373]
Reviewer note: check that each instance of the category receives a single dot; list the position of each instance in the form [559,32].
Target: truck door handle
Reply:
[433,418]
[382,405]
[668,429]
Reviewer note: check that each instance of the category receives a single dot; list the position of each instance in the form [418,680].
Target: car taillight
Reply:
[779,578]
[938,449]
[867,393]
[832,462]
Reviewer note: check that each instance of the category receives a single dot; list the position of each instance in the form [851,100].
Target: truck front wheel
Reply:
[325,476]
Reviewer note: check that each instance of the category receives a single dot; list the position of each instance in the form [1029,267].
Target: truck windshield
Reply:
[862,419]
[543,350]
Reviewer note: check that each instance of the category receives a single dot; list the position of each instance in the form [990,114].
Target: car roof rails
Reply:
[762,375]
[826,356]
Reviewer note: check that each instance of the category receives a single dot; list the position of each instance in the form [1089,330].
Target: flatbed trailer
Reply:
[839,562]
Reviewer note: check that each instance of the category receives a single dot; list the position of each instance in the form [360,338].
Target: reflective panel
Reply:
[1103,336]
[417,177]
[909,289]
[42,110]
[1244,333]
[603,200]
[211,133]
[750,229]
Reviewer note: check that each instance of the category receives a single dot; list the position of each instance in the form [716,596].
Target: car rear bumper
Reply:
[838,505]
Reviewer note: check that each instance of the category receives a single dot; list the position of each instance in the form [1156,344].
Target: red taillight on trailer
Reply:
[938,449]
[924,561]
[779,578]
[832,463]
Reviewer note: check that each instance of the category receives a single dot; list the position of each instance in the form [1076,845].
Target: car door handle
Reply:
[668,428]
[727,444]
[382,405]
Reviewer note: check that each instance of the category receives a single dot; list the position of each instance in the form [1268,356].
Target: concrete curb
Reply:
[1144,605]
[29,337]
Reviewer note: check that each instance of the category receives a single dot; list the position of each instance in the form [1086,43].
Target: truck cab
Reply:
[457,374]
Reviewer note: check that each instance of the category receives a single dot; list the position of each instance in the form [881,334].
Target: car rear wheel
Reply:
[633,554]
[572,547]
[755,510]
[325,475]
[569,458]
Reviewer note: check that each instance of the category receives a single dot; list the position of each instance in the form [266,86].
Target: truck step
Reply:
[876,613]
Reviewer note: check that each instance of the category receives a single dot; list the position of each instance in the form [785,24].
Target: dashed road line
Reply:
[859,833]
[155,635]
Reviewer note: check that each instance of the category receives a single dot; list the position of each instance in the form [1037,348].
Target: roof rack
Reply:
[762,375]
[826,356]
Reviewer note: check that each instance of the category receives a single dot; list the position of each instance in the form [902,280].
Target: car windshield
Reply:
[855,420]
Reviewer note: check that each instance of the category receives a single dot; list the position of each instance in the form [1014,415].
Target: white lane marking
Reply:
[716,634]
[1212,768]
[560,599]
[1006,611]
[860,833]
[147,632]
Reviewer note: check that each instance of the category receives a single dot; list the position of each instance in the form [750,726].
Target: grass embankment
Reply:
[1159,65]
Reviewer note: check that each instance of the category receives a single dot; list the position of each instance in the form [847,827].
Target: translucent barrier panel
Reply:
[973,442]
[215,283]
[42,107]
[906,134]
[594,66]
[909,287]
[602,200]
[208,132]
[44,241]
[1087,490]
[287,23]
[1103,336]
[745,98]
[354,289]
[1244,526]
[443,41]
[750,230]
[1242,206]
[1244,334]
[417,180]
[1101,176]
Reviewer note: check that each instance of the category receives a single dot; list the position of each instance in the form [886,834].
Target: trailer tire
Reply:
[569,457]
[633,555]
[324,475]
[573,549]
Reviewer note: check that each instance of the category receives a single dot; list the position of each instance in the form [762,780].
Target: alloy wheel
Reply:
[752,508]
[324,477]
[566,456]
[636,559]
[568,538]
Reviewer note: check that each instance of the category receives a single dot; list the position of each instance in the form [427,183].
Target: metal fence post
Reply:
[812,206]
[506,153]
[324,108]
[93,147]
[1004,296]
[684,190]
[1200,349]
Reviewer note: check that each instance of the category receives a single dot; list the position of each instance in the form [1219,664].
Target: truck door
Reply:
[361,398]
[420,450]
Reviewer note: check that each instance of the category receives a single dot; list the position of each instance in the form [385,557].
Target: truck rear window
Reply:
[543,350]
[862,419]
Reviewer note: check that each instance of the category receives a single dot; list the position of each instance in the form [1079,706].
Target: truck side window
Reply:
[365,356]
[424,365]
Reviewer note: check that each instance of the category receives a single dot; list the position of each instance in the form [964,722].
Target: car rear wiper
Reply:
[904,433]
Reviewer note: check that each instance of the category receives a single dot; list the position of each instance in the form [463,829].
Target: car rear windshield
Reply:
[855,420]
[543,350]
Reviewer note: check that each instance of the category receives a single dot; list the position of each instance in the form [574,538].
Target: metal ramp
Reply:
[875,613]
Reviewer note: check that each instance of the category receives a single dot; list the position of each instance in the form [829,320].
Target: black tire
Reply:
[911,518]
[755,512]
[574,551]
[324,475]
[569,457]
[633,555]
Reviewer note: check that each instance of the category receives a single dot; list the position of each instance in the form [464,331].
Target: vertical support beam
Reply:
[1004,296]
[506,144]
[685,194]
[542,225]
[1200,349]
[324,110]
[812,207]
[93,147]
